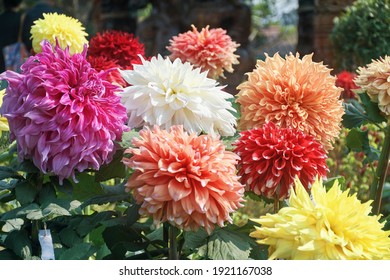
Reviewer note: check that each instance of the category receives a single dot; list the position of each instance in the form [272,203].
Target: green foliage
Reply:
[362,33]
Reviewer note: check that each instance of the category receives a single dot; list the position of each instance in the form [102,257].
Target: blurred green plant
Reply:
[361,33]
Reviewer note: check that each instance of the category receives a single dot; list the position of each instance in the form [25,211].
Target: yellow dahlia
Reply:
[3,121]
[292,92]
[331,225]
[67,30]
[375,79]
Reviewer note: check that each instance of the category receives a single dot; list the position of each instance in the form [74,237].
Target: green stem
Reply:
[378,183]
[173,254]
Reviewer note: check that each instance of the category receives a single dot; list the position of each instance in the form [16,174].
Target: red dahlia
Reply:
[271,158]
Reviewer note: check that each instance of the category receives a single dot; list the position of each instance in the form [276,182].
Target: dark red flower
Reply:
[118,46]
[345,81]
[102,63]
[271,158]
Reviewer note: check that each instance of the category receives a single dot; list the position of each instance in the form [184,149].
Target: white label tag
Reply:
[46,244]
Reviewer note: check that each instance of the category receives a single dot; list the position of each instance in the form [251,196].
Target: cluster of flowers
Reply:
[69,106]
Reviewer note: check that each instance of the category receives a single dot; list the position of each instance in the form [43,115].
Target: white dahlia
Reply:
[167,93]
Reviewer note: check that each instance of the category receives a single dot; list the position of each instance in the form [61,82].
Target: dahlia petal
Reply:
[177,190]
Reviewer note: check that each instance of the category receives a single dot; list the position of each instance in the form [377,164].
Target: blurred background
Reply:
[260,26]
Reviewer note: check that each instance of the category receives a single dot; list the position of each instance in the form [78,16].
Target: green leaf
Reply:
[357,139]
[127,138]
[81,251]
[229,140]
[225,244]
[47,194]
[194,240]
[25,192]
[6,172]
[19,212]
[132,214]
[12,224]
[35,215]
[89,223]
[28,167]
[105,198]
[19,242]
[354,114]
[120,240]
[115,169]
[372,109]
[69,237]
[330,181]
[54,210]
[86,187]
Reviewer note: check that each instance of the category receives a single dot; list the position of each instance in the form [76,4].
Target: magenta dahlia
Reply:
[62,113]
[271,158]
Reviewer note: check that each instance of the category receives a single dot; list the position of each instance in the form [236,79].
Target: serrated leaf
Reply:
[115,169]
[35,215]
[86,187]
[372,109]
[25,192]
[194,240]
[354,114]
[19,212]
[80,251]
[226,245]
[356,139]
[54,210]
[12,224]
[19,242]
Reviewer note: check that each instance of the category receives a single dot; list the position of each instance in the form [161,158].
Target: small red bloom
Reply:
[271,157]
[345,81]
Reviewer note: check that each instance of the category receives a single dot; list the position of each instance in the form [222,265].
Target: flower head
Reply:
[374,78]
[3,121]
[333,225]
[102,63]
[169,93]
[118,46]
[65,30]
[292,92]
[271,157]
[210,49]
[188,180]
[345,81]
[62,113]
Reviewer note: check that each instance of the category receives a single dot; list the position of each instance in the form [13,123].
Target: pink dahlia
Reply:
[188,180]
[210,49]
[118,46]
[271,158]
[345,81]
[62,113]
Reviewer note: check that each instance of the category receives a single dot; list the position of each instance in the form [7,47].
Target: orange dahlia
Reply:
[188,180]
[292,92]
[271,158]
[210,49]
